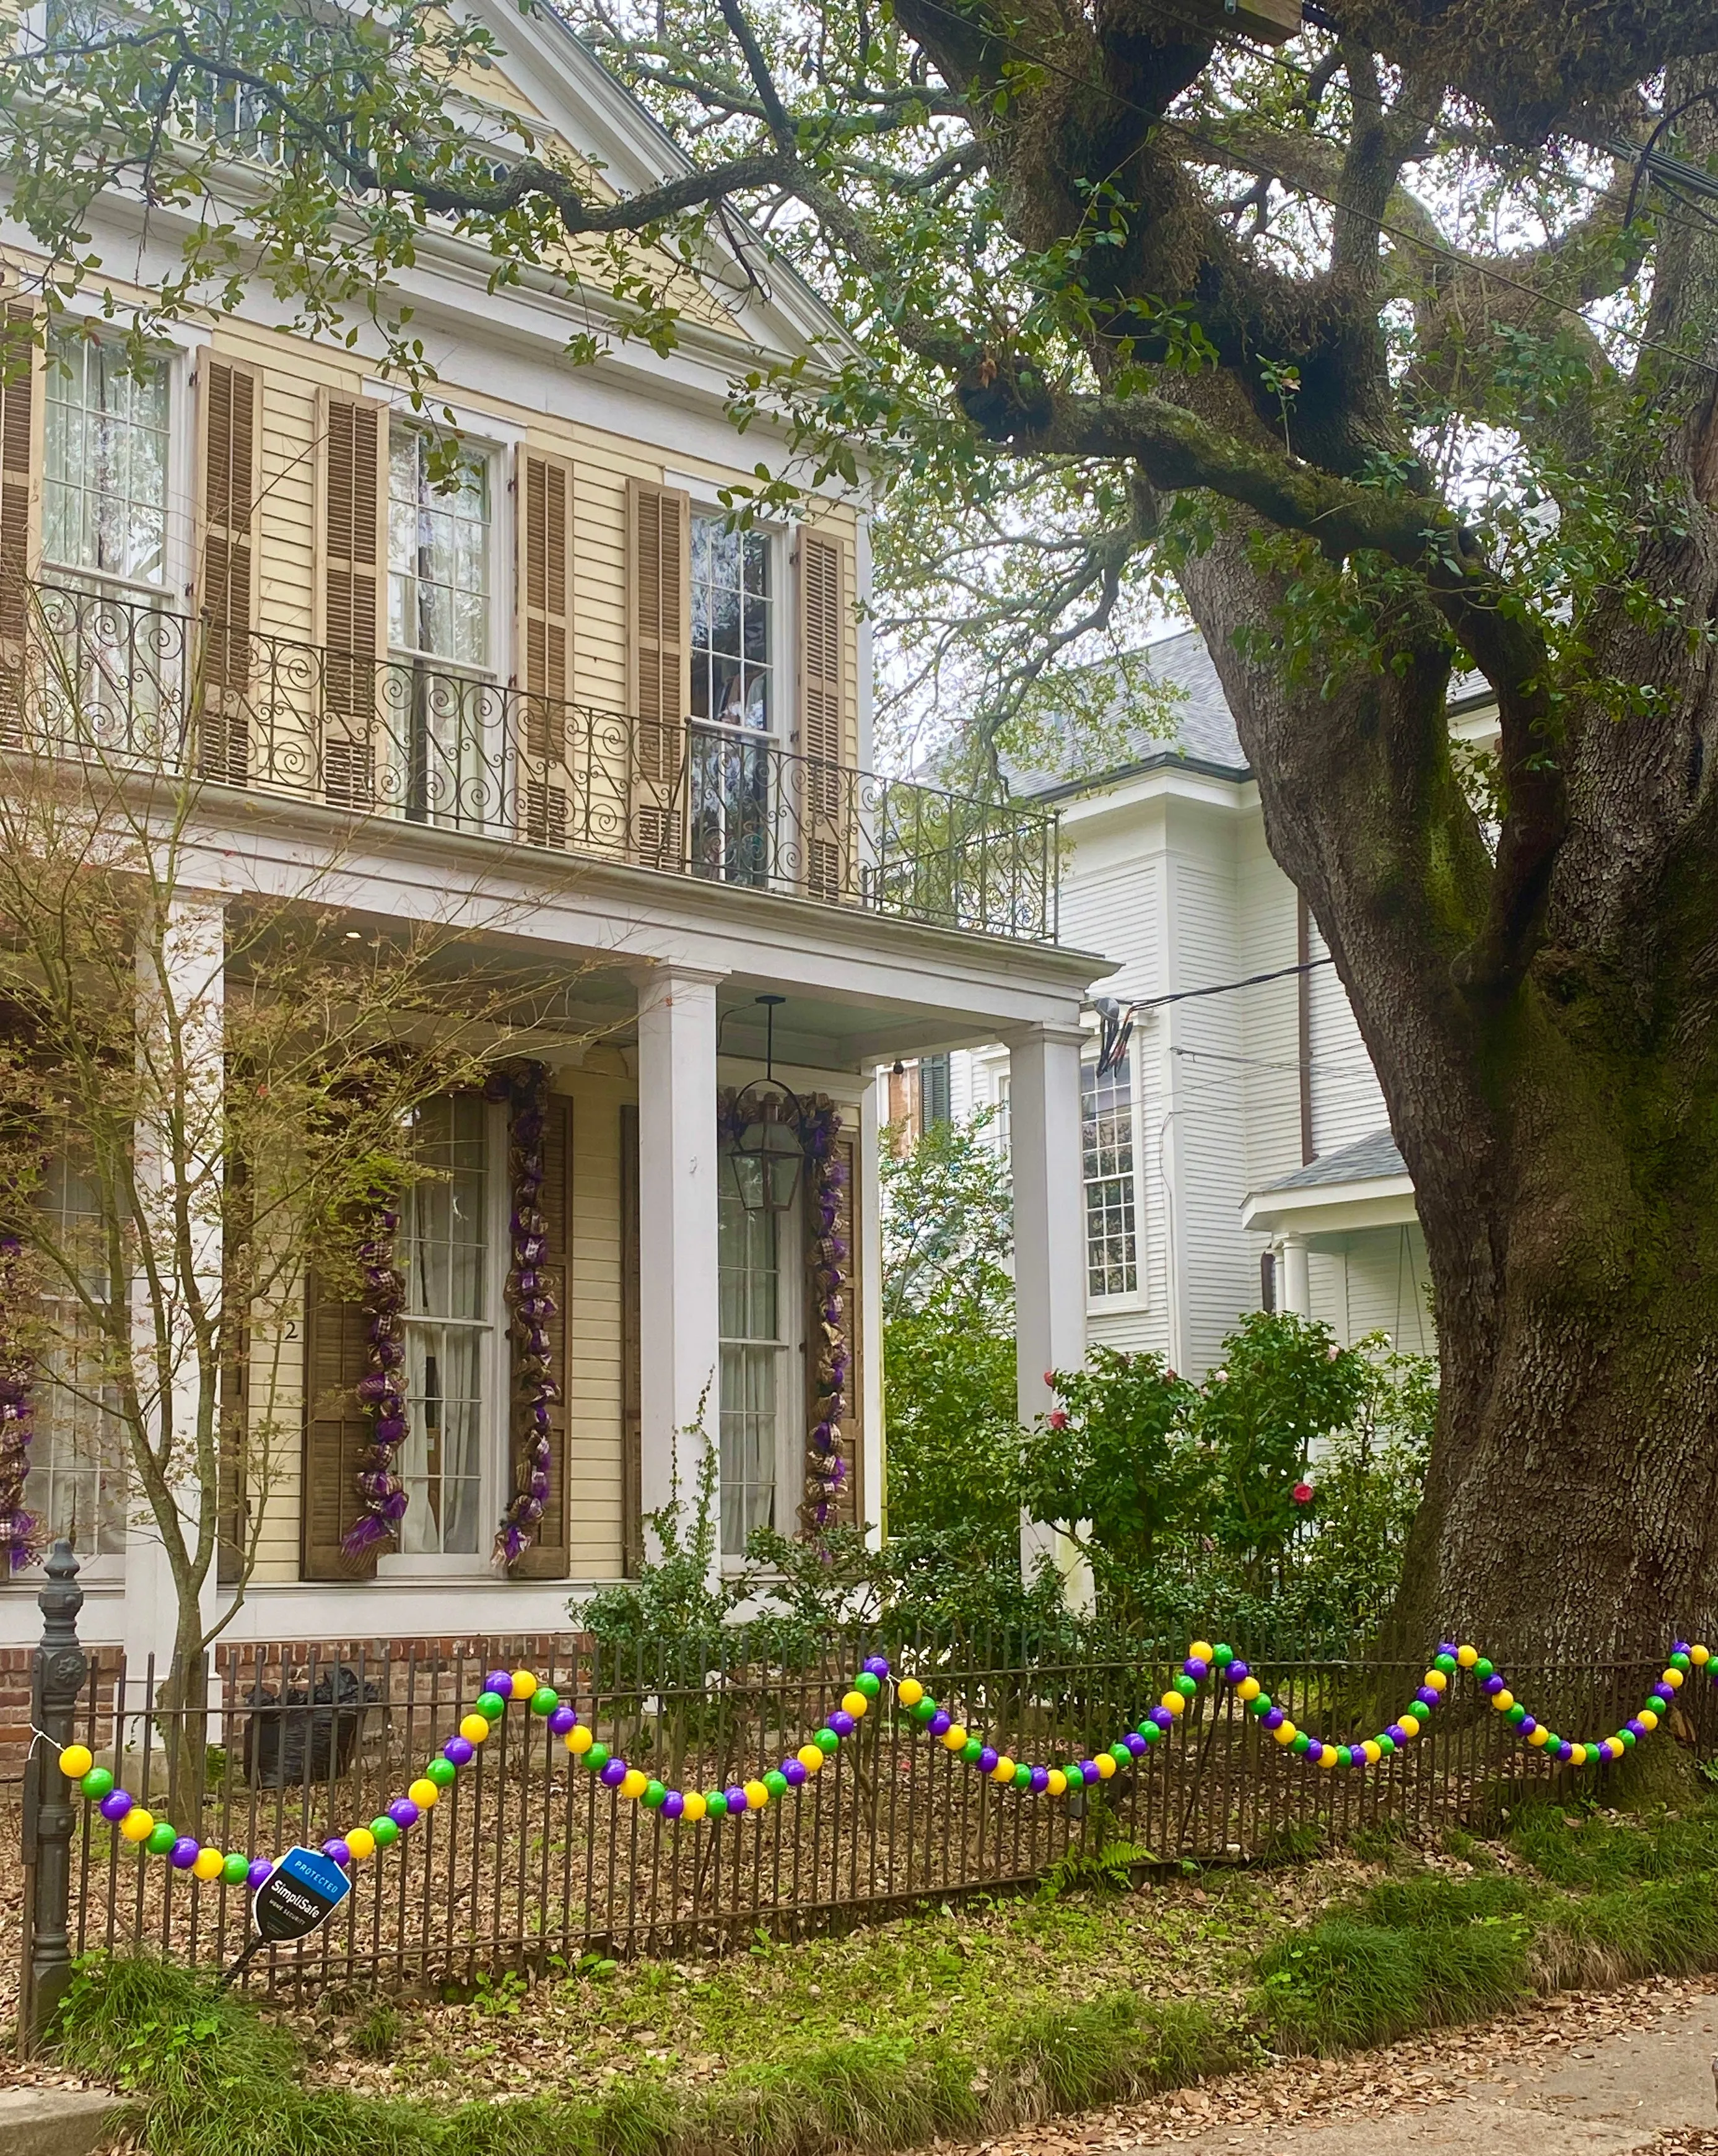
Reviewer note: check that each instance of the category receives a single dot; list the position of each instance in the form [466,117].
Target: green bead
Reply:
[1151,1734]
[868,1685]
[96,1784]
[1300,1741]
[1261,1705]
[491,1706]
[716,1804]
[923,1709]
[161,1839]
[235,1869]
[1416,1711]
[776,1782]
[971,1751]
[544,1700]
[1345,1757]
[1121,1754]
[1680,1662]
[654,1791]
[443,1773]
[1076,1780]
[1186,1685]
[1551,1740]
[1628,1739]
[1384,1742]
[1483,1669]
[1223,1654]
[826,1740]
[597,1758]
[1517,1714]
[386,1831]
[1447,1663]
[1022,1776]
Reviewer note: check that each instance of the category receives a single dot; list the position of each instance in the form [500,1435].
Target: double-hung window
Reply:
[106,445]
[735,700]
[762,1382]
[1106,1132]
[451,1333]
[76,1483]
[441,629]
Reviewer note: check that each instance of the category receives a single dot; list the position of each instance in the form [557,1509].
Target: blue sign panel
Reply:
[300,1894]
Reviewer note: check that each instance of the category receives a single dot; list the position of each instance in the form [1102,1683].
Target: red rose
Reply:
[1049,1378]
[1059,1419]
[1302,1493]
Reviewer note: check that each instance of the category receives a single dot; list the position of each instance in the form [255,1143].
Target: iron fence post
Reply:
[57,1677]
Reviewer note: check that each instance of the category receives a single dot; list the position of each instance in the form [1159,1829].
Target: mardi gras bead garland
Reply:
[1204,1664]
[382,1390]
[827,1468]
[531,1303]
[18,1527]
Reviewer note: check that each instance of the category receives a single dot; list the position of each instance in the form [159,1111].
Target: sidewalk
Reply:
[1604,2074]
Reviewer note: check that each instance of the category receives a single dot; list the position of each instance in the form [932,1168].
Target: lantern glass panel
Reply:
[767,1159]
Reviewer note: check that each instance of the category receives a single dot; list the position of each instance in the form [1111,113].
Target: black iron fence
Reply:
[131,683]
[530,1855]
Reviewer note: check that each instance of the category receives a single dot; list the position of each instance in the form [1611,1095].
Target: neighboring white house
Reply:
[1241,1157]
[565,698]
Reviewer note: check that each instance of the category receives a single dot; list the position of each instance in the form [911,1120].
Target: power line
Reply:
[1115,1023]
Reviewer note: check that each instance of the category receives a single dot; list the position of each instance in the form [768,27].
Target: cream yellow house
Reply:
[563,702]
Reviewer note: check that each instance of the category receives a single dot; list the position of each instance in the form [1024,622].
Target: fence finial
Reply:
[57,1678]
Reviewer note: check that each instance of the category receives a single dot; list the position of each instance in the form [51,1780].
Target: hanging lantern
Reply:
[768,1141]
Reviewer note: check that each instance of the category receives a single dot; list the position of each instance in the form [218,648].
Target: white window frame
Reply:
[495,1378]
[791,1400]
[1134,1298]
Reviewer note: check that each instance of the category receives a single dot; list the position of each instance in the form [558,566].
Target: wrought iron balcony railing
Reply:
[98,677]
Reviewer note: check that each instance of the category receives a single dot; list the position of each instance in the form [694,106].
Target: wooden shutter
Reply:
[337,1433]
[632,1353]
[20,419]
[825,806]
[229,430]
[548,1557]
[352,519]
[658,644]
[844,1509]
[545,526]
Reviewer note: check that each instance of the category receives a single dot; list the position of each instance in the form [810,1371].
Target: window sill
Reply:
[406,1565]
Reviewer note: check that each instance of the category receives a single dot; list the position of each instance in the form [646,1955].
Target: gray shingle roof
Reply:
[1374,1155]
[1204,733]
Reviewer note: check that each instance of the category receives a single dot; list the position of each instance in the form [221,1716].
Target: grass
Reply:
[916,2031]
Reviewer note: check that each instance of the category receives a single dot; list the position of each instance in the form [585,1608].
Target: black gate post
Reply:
[57,1678]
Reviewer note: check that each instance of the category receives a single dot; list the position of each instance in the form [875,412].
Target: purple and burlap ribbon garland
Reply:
[529,1299]
[382,1390]
[827,1466]
[19,1532]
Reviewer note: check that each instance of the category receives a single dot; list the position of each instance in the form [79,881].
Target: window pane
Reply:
[731,624]
[76,1483]
[1106,1143]
[437,553]
[754,1363]
[104,489]
[445,1229]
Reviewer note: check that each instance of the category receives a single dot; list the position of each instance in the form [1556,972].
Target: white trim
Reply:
[1332,1209]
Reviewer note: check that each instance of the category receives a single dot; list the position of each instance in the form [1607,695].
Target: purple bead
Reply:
[459,1751]
[1635,1727]
[988,1758]
[1136,1744]
[1678,1647]
[183,1853]
[1526,1725]
[737,1799]
[403,1813]
[673,1804]
[940,1724]
[1393,1732]
[1274,1719]
[1447,1647]
[500,1681]
[1315,1750]
[116,1804]
[1089,1770]
[614,1773]
[793,1772]
[1236,1672]
[1492,1685]
[260,1870]
[1426,1695]
[877,1666]
[1566,1750]
[336,1851]
[1664,1691]
[1163,1718]
[561,1720]
[842,1722]
[1196,1667]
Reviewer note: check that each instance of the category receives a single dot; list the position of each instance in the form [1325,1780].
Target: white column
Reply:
[180,1161]
[1049,1239]
[866,1211]
[679,1163]
[1297,1285]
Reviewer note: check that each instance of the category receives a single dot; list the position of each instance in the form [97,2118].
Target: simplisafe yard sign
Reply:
[301,1893]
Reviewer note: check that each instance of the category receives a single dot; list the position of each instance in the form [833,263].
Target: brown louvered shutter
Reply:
[545,644]
[844,1511]
[658,592]
[337,1433]
[548,1557]
[825,806]
[354,527]
[632,1353]
[229,432]
[20,411]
